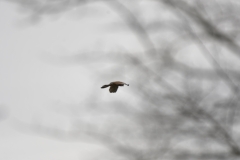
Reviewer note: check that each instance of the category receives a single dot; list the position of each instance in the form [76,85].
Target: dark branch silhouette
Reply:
[184,103]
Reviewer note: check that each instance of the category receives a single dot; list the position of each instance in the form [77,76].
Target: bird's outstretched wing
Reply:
[105,86]
[113,89]
[119,83]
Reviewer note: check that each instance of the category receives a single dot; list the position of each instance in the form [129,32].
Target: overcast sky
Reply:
[32,84]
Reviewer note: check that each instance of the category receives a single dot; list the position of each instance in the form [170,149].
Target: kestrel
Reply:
[114,86]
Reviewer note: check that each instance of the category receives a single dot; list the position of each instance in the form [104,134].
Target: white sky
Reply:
[30,84]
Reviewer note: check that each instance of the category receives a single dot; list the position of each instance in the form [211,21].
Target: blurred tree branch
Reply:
[178,95]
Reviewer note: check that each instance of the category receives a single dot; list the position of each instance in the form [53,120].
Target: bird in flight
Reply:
[114,86]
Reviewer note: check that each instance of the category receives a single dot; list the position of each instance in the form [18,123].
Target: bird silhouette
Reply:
[114,86]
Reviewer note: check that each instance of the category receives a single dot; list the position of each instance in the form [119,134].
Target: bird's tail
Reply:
[105,86]
[127,84]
